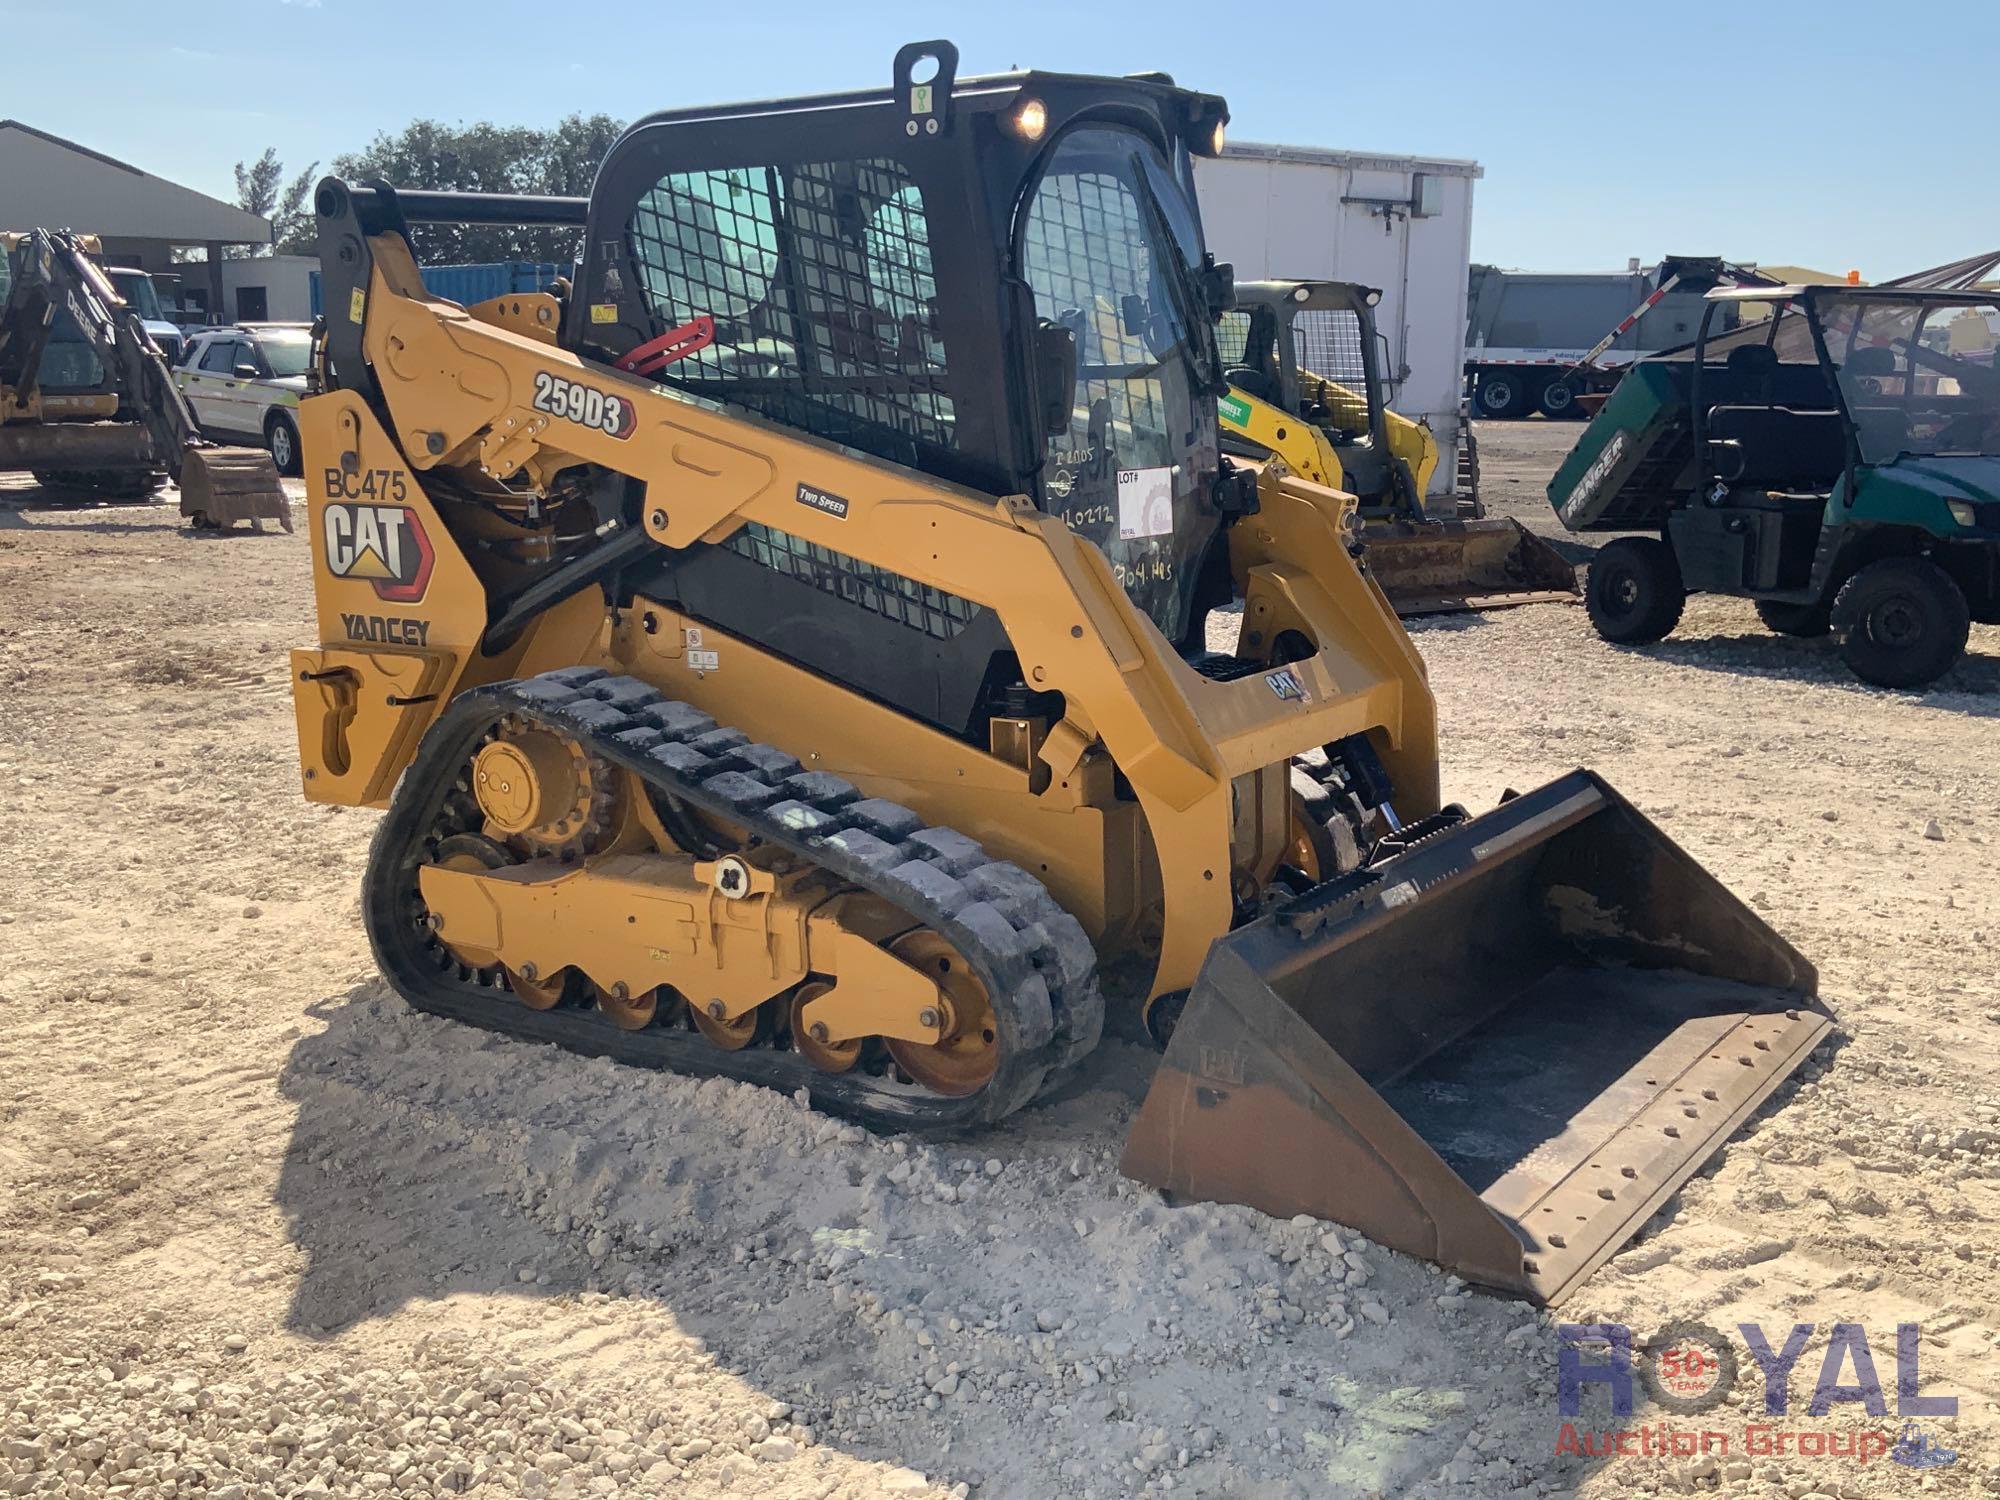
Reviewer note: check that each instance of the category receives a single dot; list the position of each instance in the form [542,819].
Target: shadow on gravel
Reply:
[429,1159]
[15,516]
[1972,687]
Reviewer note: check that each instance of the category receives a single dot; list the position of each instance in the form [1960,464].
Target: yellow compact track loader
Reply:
[1306,382]
[87,401]
[783,655]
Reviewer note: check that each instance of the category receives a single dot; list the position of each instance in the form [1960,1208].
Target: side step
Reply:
[1501,1050]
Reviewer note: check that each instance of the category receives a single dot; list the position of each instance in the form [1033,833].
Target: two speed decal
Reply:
[584,405]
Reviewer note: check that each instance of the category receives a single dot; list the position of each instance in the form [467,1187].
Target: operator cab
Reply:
[998,281]
[1311,349]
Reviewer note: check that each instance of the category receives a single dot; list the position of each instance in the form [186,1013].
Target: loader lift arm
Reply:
[52,273]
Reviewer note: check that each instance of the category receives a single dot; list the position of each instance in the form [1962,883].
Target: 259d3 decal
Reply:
[585,405]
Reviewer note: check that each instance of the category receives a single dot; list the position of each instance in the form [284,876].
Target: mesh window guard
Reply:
[1329,344]
[819,278]
[1232,337]
[877,590]
[1086,252]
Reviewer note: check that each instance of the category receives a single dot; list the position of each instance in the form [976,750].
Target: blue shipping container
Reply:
[479,281]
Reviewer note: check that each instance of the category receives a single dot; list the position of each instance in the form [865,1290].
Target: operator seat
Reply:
[1753,370]
[1256,383]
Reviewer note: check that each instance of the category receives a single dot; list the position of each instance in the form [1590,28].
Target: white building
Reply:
[47,182]
[267,288]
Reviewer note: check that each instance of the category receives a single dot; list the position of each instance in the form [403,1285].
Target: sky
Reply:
[1816,135]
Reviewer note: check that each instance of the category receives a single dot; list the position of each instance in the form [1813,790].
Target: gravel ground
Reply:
[264,1232]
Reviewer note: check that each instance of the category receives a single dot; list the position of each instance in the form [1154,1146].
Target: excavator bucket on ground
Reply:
[1500,1050]
[1443,567]
[221,486]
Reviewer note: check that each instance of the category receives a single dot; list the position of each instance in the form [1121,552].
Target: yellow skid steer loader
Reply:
[782,655]
[1307,382]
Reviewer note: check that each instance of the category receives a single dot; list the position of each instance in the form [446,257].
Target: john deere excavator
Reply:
[87,402]
[783,654]
[1306,382]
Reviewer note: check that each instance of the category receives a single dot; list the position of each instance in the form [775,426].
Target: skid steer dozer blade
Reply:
[1442,567]
[221,486]
[1500,1050]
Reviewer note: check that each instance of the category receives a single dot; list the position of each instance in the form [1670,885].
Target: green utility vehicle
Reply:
[1838,462]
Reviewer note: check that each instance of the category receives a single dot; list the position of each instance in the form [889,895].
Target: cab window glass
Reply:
[1099,246]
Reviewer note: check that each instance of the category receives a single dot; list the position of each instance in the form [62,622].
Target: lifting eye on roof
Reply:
[924,75]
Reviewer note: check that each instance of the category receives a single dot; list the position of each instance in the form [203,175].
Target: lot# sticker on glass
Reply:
[1145,502]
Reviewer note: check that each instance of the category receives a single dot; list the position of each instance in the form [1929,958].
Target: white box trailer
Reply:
[1400,223]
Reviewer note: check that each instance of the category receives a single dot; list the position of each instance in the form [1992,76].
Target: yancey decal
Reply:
[386,630]
[820,500]
[385,544]
[584,405]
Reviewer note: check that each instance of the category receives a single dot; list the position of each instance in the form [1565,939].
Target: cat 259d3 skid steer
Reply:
[781,654]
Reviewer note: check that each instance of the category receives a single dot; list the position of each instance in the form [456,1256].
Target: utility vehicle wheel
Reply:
[282,437]
[1901,622]
[1558,400]
[1500,396]
[1808,620]
[1635,592]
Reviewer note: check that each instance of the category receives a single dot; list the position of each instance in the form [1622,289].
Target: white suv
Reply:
[244,383]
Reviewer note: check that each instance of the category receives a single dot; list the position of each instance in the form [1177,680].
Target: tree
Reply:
[293,230]
[261,189]
[488,158]
[257,184]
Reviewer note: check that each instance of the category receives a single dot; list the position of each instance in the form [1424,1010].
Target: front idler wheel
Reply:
[963,1061]
[1635,595]
[1901,622]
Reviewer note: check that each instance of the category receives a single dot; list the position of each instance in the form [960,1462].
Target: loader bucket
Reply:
[1501,1050]
[1441,567]
[221,486]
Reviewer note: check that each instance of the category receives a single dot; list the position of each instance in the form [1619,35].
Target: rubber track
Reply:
[1038,965]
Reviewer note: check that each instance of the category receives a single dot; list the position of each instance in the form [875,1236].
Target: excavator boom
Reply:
[52,274]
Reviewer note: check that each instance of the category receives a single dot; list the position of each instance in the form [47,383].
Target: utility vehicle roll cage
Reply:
[1797,306]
